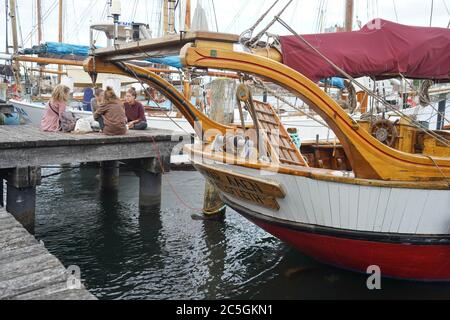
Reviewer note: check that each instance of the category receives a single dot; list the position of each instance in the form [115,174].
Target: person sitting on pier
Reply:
[55,108]
[135,111]
[111,114]
[99,95]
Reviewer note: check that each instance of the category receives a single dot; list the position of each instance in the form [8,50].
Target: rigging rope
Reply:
[395,10]
[215,15]
[422,97]
[261,85]
[163,172]
[252,42]
[159,106]
[238,15]
[446,7]
[45,16]
[431,14]
[252,28]
[440,170]
[84,15]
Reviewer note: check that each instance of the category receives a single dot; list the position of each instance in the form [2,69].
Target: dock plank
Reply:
[28,270]
[24,146]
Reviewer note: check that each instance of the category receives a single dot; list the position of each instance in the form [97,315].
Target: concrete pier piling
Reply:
[150,191]
[109,175]
[150,172]
[21,195]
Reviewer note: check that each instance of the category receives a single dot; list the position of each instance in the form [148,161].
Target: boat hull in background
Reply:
[33,112]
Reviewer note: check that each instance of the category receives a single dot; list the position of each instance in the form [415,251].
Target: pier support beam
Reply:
[21,195]
[223,96]
[150,191]
[150,174]
[109,175]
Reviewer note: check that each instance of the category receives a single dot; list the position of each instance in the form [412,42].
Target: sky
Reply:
[233,16]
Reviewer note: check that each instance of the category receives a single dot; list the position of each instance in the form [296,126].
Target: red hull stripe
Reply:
[429,262]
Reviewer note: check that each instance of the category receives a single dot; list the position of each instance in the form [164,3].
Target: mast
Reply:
[165,17]
[60,33]
[169,16]
[39,20]
[187,19]
[349,6]
[12,14]
[6,27]
[39,27]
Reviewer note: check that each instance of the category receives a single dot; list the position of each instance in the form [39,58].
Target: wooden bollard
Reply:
[223,102]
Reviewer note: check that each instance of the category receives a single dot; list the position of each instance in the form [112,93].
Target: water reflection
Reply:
[215,255]
[125,253]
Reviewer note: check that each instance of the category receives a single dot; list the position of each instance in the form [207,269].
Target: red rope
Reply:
[158,153]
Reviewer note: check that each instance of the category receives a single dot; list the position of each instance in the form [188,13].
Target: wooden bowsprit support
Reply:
[222,110]
[369,158]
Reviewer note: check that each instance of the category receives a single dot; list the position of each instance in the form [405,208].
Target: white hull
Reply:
[429,114]
[354,207]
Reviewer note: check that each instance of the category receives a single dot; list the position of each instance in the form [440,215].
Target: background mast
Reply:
[349,6]
[16,65]
[60,33]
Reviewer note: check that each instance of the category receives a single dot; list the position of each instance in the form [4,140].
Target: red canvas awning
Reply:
[379,49]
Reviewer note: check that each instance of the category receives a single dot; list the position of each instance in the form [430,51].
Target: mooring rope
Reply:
[163,172]
[440,170]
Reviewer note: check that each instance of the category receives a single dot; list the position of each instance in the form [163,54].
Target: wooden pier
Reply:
[25,149]
[28,271]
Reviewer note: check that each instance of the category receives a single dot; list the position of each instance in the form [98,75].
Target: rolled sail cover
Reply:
[381,49]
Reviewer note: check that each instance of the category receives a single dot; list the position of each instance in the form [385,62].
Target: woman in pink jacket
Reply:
[55,107]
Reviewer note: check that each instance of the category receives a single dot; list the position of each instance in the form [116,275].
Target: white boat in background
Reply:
[33,112]
[307,128]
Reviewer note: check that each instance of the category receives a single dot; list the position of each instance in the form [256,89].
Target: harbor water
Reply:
[127,254]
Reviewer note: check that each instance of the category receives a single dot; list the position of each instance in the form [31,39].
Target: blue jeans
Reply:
[140,126]
[101,122]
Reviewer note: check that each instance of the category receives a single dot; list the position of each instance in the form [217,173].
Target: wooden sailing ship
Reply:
[356,204]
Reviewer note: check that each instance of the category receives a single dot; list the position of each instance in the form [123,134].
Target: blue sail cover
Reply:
[59,49]
[335,82]
[65,49]
[173,61]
